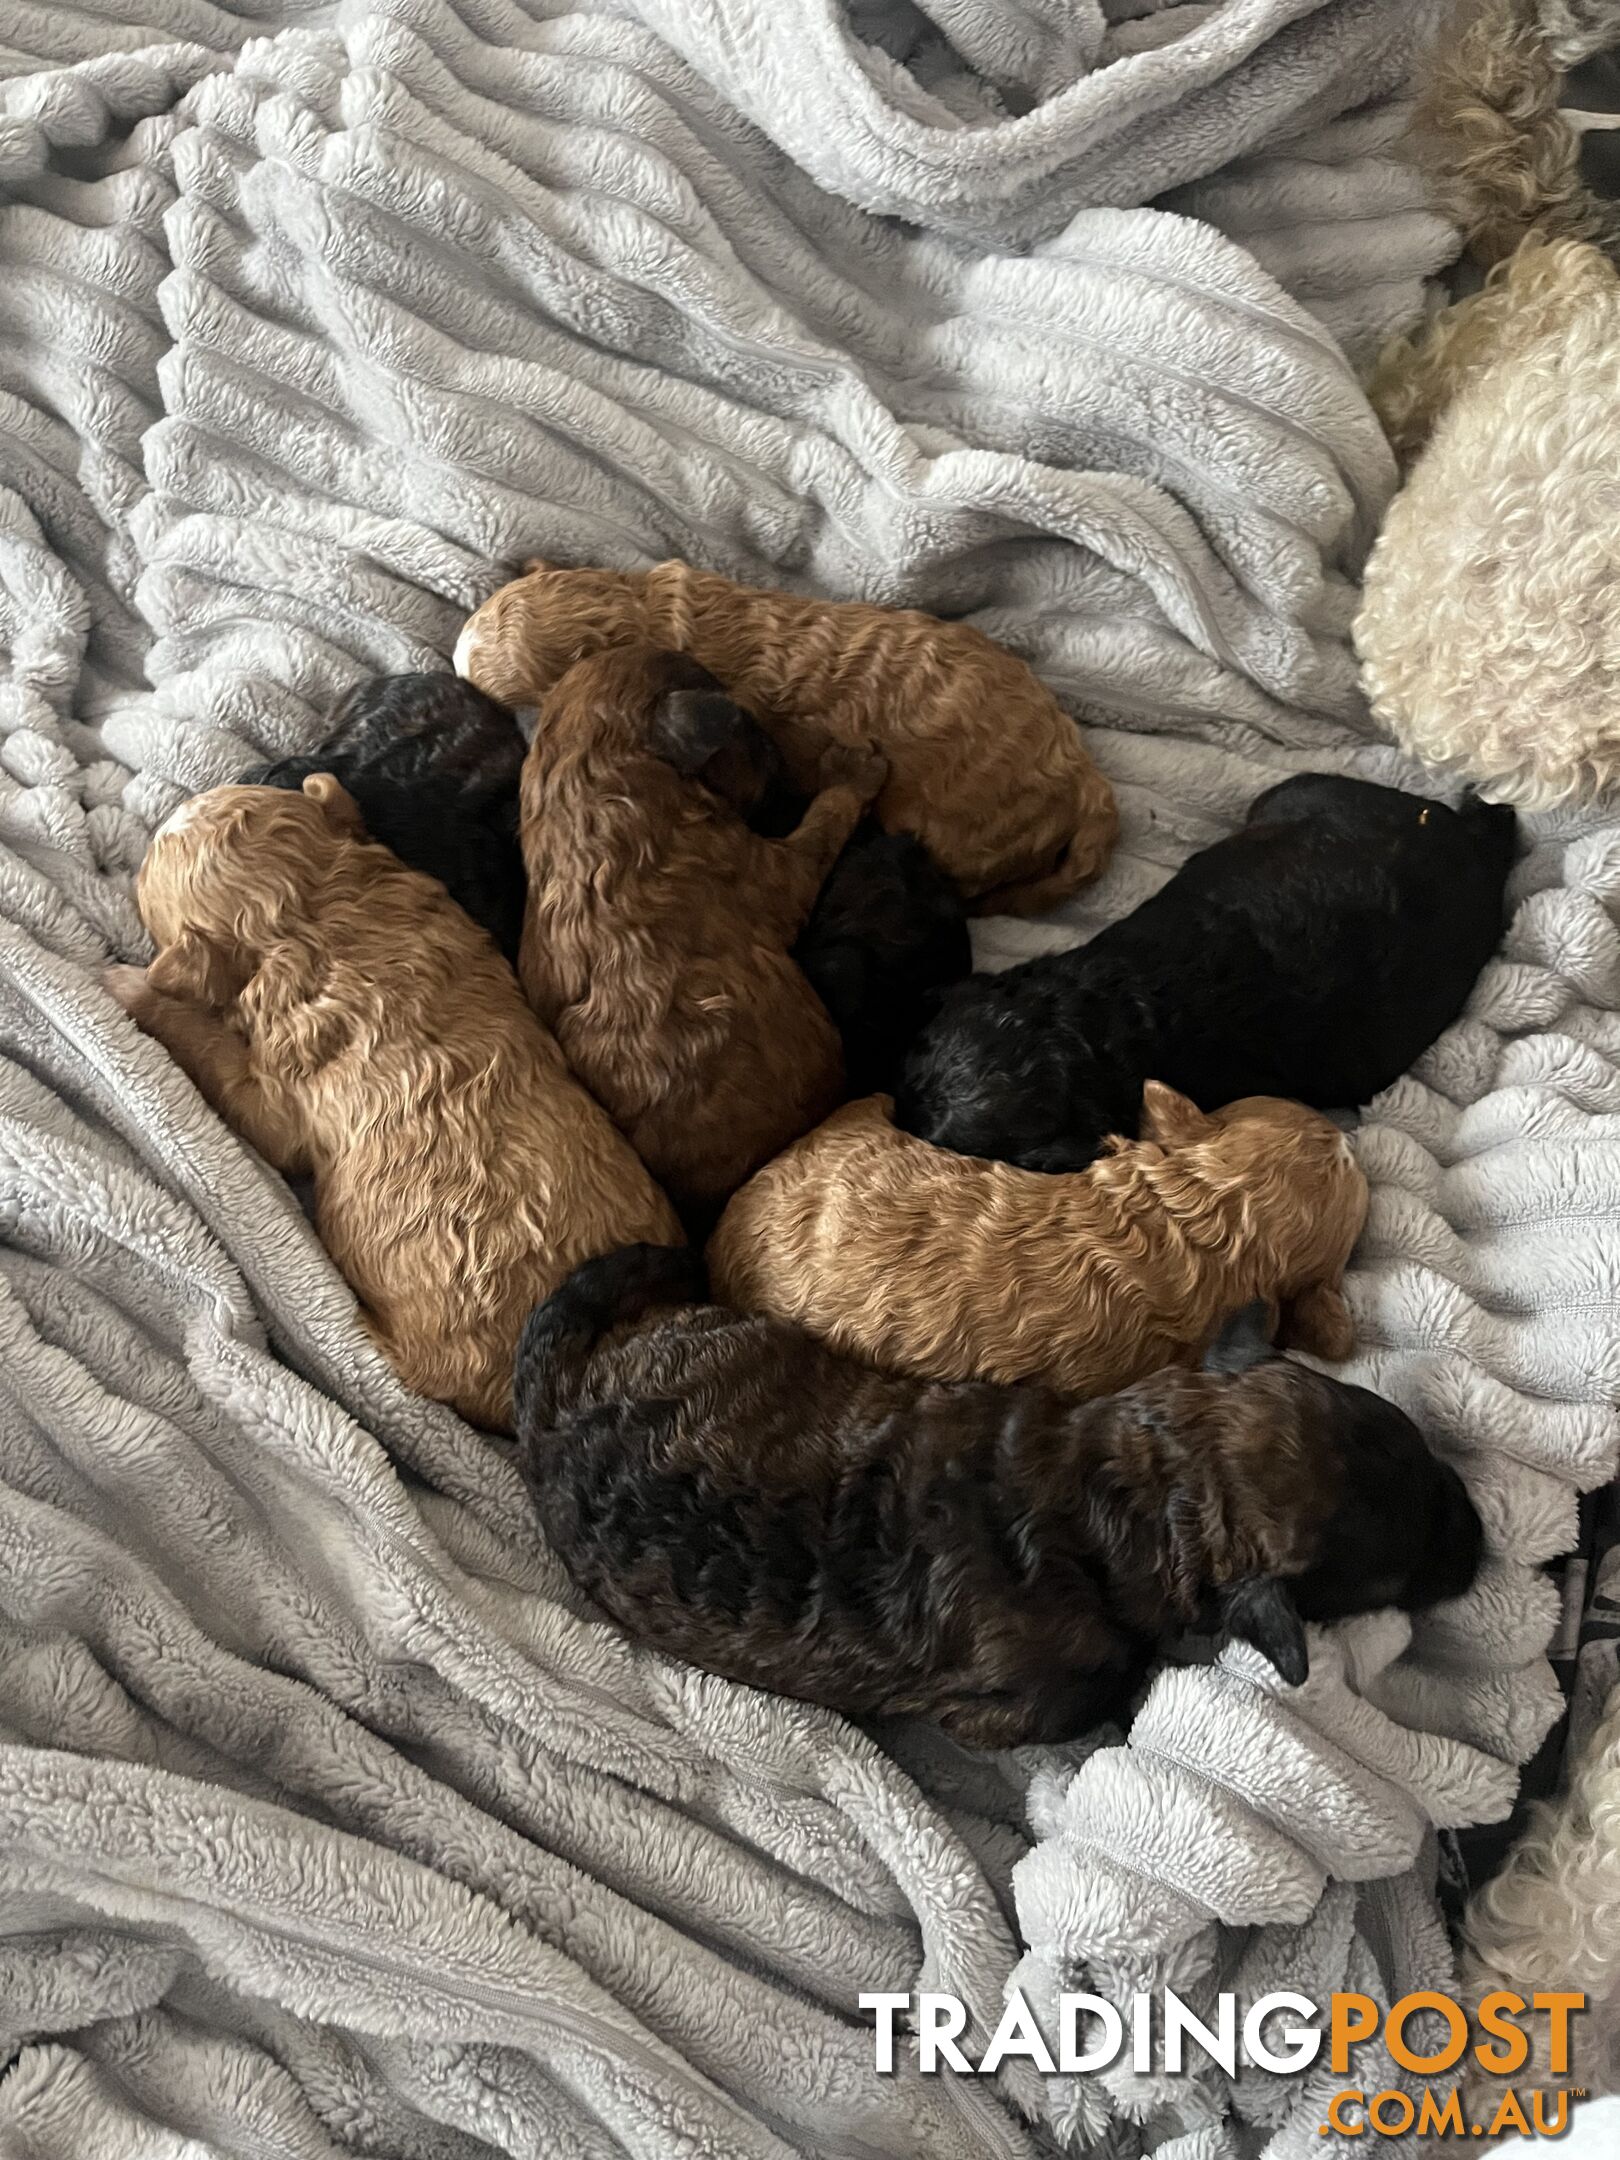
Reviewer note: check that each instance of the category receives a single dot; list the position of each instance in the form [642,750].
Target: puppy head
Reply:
[640,698]
[1401,1529]
[226,869]
[1306,1185]
[425,722]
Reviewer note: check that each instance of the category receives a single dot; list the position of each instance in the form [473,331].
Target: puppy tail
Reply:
[611,1291]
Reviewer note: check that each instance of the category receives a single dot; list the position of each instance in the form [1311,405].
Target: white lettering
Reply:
[940,2021]
[1302,2042]
[1017,2034]
[1220,2045]
[888,2008]
[1103,2051]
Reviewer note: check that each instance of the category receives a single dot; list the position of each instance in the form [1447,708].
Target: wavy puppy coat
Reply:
[1488,636]
[1003,1560]
[936,1264]
[1314,954]
[985,767]
[659,926]
[433,765]
[351,1022]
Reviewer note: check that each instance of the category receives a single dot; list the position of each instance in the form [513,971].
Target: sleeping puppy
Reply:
[950,1268]
[434,766]
[985,767]
[888,931]
[659,927]
[348,1019]
[1002,1560]
[1315,954]
[887,936]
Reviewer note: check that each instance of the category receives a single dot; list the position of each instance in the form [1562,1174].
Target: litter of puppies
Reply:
[978,1403]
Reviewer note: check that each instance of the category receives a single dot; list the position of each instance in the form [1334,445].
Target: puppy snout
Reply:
[1459,1539]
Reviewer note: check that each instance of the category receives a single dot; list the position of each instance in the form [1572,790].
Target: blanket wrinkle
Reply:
[331,1820]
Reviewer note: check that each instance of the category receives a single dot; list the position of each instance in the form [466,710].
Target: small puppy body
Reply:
[349,1020]
[1002,1560]
[657,939]
[985,767]
[888,934]
[434,766]
[938,1265]
[1487,633]
[1314,954]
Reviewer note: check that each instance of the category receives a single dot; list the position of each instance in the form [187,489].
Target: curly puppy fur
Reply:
[351,1022]
[985,767]
[433,764]
[1551,1918]
[1487,132]
[1504,165]
[1488,634]
[1002,1560]
[888,931]
[930,1263]
[1524,303]
[659,926]
[1313,954]
[886,937]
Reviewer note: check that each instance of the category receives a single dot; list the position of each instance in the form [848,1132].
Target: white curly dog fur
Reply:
[1489,630]
[1551,1919]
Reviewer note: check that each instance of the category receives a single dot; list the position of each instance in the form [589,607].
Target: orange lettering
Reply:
[1558,2009]
[1375,2114]
[1437,2121]
[1346,2034]
[1456,2024]
[1560,2122]
[1509,2115]
[1345,2129]
[1496,2013]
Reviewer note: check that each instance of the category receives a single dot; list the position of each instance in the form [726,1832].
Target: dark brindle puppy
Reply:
[1314,954]
[1001,1559]
[434,766]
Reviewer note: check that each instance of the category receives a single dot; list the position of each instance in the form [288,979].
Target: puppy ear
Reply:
[342,811]
[1243,1342]
[1171,1119]
[198,969]
[1318,1322]
[689,727]
[1260,1610]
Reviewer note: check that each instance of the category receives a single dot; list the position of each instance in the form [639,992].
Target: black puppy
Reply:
[434,765]
[1315,954]
[887,935]
[1002,1559]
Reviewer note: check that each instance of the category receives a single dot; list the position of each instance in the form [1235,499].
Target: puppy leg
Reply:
[1318,1322]
[218,1063]
[1064,1707]
[788,874]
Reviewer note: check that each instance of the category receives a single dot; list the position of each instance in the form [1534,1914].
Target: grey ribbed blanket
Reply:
[328,1821]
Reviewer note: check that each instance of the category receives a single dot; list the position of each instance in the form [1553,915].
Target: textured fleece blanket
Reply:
[329,1821]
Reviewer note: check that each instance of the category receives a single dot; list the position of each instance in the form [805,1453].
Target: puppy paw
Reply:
[126,986]
[862,767]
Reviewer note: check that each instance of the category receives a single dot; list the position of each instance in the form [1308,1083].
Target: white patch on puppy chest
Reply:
[461,658]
